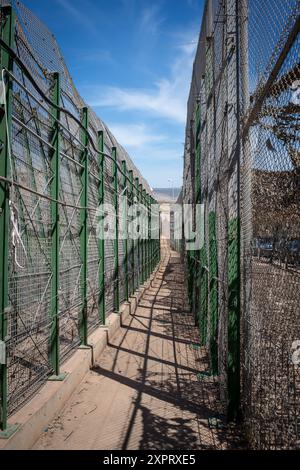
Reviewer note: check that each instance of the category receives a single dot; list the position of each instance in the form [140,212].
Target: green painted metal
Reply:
[9,431]
[57,377]
[145,234]
[213,293]
[149,237]
[8,34]
[55,231]
[131,241]
[125,228]
[233,366]
[83,327]
[116,240]
[138,264]
[203,297]
[142,262]
[152,240]
[101,241]
[197,270]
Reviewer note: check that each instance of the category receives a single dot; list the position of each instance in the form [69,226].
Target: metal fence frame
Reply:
[244,170]
[58,163]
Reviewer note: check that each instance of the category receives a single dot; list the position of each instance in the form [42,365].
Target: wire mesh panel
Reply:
[51,184]
[30,269]
[271,224]
[246,84]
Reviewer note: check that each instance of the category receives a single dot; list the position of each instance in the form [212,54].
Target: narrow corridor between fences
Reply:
[150,389]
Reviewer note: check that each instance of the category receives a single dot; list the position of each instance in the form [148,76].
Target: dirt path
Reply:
[144,393]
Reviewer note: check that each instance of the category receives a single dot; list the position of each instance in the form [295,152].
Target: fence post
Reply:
[131,251]
[8,34]
[55,233]
[84,228]
[116,240]
[233,365]
[125,228]
[101,241]
[144,238]
[141,233]
[149,235]
[138,237]
[213,293]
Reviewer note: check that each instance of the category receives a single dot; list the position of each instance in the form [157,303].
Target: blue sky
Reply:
[131,60]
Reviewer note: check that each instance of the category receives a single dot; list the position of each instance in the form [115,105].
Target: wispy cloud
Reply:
[151,19]
[167,98]
[78,14]
[135,135]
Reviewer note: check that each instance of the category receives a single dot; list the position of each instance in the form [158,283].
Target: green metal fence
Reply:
[242,163]
[58,164]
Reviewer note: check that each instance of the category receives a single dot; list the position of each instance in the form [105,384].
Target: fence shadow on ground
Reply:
[175,409]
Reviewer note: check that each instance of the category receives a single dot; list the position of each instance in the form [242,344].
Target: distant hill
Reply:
[166,194]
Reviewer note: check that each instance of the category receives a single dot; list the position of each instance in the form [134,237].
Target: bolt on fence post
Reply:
[138,235]
[84,228]
[101,241]
[125,228]
[116,239]
[8,35]
[131,250]
[55,232]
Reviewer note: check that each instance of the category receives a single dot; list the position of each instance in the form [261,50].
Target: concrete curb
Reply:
[36,415]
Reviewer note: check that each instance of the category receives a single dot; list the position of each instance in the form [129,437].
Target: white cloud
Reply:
[78,14]
[135,135]
[151,19]
[167,98]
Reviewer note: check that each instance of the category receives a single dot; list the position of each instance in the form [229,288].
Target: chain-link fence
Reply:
[59,163]
[242,160]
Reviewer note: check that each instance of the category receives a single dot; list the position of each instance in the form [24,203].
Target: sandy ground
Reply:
[144,392]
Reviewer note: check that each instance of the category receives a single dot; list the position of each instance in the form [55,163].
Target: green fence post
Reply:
[141,234]
[83,330]
[101,241]
[197,134]
[154,240]
[148,266]
[125,228]
[116,240]
[131,251]
[213,292]
[150,236]
[234,228]
[158,242]
[8,35]
[55,233]
[144,239]
[138,238]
